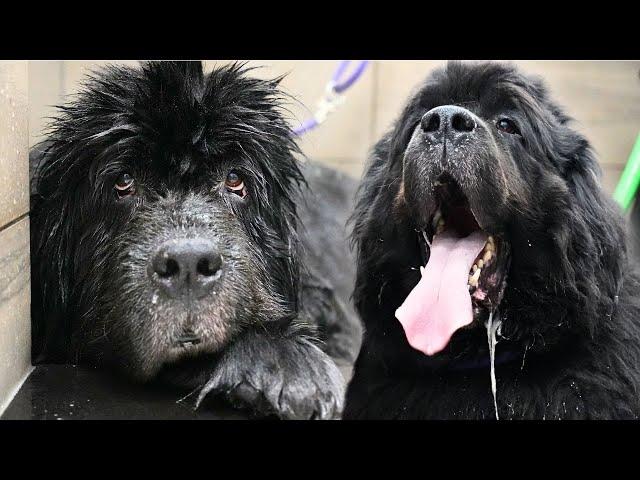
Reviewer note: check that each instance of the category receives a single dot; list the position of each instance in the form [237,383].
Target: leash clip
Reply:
[328,103]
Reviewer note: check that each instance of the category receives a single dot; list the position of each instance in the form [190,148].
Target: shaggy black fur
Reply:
[570,343]
[134,174]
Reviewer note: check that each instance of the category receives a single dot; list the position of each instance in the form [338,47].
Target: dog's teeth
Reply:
[475,267]
[436,218]
[487,256]
[475,277]
[480,263]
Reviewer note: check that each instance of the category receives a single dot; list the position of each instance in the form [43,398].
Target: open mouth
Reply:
[464,278]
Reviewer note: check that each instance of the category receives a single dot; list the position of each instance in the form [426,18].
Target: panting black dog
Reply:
[166,244]
[499,232]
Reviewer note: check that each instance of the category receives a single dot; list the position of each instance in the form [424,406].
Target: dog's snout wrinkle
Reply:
[186,267]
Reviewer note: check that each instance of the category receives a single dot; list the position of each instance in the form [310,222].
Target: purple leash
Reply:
[333,94]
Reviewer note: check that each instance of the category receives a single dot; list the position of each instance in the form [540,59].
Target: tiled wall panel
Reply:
[15,328]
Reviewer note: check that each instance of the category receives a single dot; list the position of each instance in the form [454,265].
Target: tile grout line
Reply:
[13,222]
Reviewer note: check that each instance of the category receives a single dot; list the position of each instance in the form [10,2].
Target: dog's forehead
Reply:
[171,119]
[486,88]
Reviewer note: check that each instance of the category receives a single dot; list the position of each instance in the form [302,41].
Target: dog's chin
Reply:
[147,369]
[190,337]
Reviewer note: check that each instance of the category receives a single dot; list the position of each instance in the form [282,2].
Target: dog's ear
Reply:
[363,222]
[51,261]
[596,207]
[594,231]
[371,222]
[382,177]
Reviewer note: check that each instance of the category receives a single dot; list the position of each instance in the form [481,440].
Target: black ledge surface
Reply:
[67,392]
[70,392]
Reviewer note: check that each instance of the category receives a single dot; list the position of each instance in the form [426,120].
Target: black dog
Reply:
[499,231]
[165,241]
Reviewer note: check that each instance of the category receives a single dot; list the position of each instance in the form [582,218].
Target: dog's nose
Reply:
[449,120]
[185,268]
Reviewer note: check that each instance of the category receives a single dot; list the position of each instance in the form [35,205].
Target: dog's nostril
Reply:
[169,269]
[208,266]
[462,122]
[431,122]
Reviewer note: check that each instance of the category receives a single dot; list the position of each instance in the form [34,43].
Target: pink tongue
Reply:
[440,303]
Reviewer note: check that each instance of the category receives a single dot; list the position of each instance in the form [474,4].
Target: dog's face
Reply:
[499,198]
[166,213]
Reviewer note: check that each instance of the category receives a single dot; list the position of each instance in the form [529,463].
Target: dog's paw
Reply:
[289,378]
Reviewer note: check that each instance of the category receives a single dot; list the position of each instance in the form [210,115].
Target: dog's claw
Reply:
[203,393]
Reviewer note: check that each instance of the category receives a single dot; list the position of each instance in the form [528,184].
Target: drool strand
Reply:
[493,330]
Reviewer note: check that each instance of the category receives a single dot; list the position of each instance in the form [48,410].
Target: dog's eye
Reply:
[235,184]
[124,185]
[507,126]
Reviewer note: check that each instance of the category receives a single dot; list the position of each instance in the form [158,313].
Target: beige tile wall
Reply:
[603,96]
[15,328]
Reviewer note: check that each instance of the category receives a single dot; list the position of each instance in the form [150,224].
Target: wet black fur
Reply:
[179,132]
[571,309]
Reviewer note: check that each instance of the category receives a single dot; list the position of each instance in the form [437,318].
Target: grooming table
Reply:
[68,392]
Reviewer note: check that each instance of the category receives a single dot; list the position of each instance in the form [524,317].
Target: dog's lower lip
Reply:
[188,341]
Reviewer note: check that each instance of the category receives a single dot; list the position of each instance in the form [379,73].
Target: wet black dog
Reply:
[165,241]
[500,230]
